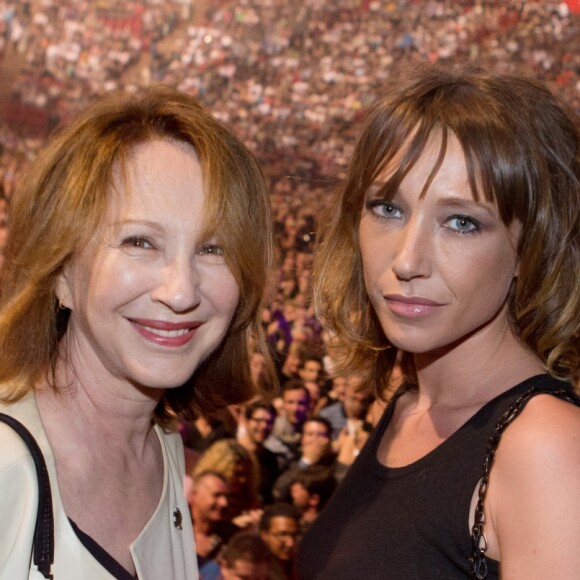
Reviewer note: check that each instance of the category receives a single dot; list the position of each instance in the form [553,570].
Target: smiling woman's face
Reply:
[437,268]
[149,298]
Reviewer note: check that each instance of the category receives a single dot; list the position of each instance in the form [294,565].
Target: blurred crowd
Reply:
[292,79]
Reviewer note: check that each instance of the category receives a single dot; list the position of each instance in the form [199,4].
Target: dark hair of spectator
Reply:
[321,421]
[259,405]
[64,198]
[319,480]
[295,385]
[521,146]
[310,357]
[278,510]
[246,546]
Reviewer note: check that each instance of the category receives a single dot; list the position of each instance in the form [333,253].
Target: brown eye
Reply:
[211,250]
[138,242]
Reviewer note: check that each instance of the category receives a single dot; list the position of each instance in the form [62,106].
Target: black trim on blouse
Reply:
[102,556]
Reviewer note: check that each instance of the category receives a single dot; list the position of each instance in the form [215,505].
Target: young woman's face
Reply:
[149,297]
[437,269]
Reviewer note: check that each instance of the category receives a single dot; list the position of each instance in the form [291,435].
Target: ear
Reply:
[63,290]
[188,488]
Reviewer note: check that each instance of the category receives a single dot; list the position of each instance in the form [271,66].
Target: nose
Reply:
[413,251]
[178,285]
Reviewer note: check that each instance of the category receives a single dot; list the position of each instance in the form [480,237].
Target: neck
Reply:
[202,526]
[96,410]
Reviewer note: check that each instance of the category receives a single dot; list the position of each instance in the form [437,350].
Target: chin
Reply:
[162,381]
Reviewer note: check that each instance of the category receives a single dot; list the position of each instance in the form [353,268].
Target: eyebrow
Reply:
[131,222]
[450,202]
[466,204]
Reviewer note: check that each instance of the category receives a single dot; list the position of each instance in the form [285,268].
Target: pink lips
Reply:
[411,306]
[166,333]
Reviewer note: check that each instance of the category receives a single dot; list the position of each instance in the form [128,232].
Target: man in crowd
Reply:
[285,438]
[208,501]
[351,407]
[259,420]
[316,449]
[311,490]
[280,529]
[246,557]
[310,371]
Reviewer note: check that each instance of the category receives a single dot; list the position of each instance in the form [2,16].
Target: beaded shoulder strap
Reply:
[43,544]
[478,539]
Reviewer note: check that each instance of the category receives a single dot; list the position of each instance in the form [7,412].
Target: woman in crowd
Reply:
[455,241]
[139,247]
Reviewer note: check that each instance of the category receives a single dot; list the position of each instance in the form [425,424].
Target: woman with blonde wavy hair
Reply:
[139,248]
[454,244]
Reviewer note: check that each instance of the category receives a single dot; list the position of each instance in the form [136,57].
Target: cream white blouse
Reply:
[164,550]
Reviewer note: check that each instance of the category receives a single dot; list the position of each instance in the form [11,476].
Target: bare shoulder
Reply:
[533,491]
[542,445]
[547,423]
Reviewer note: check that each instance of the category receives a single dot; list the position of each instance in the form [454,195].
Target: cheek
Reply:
[116,283]
[367,247]
[487,275]
[375,258]
[221,288]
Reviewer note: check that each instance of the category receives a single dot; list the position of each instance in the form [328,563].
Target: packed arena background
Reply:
[292,79]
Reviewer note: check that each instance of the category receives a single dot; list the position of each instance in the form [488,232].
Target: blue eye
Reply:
[384,209]
[462,224]
[138,242]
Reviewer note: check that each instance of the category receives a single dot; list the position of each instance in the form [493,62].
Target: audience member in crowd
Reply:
[290,363]
[310,372]
[208,502]
[259,420]
[246,557]
[203,431]
[459,197]
[311,489]
[237,466]
[315,449]
[280,529]
[351,409]
[287,431]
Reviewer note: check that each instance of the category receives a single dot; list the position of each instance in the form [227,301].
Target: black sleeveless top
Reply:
[412,522]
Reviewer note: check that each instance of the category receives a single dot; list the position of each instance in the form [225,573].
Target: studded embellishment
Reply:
[177,519]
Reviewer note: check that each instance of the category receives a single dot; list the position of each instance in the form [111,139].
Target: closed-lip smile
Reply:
[411,306]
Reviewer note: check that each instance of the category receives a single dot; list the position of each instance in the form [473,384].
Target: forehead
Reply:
[261,414]
[312,365]
[283,524]
[155,174]
[440,165]
[294,395]
[246,569]
[314,427]
[212,484]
